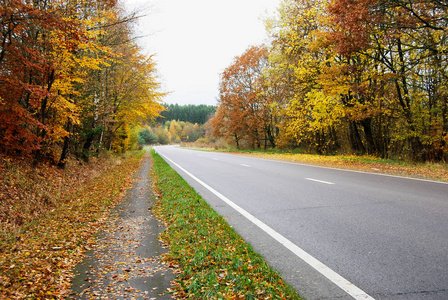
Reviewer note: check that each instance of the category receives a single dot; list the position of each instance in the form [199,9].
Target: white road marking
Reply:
[244,165]
[317,180]
[347,170]
[215,159]
[334,277]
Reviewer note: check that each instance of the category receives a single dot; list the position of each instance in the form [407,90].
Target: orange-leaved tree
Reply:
[63,63]
[40,67]
[29,69]
[243,113]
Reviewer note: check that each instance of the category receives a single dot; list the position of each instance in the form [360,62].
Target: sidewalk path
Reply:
[126,264]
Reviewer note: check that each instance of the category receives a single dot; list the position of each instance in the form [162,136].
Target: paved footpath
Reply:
[125,263]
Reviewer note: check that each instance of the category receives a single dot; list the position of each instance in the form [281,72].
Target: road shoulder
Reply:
[126,261]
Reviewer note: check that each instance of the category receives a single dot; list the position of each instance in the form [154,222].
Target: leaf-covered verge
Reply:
[365,163]
[212,260]
[427,170]
[49,217]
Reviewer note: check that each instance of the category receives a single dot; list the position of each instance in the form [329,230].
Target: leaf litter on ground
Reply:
[371,164]
[126,260]
[42,240]
[437,171]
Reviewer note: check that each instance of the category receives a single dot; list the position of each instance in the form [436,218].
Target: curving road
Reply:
[332,234]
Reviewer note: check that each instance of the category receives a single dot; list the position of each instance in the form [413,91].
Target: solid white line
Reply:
[317,180]
[334,277]
[244,165]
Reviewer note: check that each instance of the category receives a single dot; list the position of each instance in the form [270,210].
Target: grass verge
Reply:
[36,257]
[212,260]
[365,163]
[371,164]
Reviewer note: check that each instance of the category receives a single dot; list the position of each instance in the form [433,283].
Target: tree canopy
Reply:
[187,113]
[71,78]
[365,77]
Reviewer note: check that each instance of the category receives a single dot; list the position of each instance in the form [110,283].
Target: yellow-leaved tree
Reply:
[311,111]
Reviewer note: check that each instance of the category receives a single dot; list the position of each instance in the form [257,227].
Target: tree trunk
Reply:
[355,138]
[418,151]
[367,126]
[444,128]
[271,136]
[237,140]
[334,139]
[65,152]
[89,141]
[66,147]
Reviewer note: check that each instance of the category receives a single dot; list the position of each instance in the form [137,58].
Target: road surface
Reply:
[332,234]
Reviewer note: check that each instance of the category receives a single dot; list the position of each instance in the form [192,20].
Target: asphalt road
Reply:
[386,236]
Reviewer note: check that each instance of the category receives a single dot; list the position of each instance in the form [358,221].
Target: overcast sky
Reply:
[195,40]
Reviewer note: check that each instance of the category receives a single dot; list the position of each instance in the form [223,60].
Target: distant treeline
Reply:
[187,113]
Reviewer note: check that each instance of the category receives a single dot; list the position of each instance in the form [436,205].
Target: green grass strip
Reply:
[213,261]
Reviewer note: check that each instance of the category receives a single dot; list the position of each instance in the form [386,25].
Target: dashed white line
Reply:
[321,181]
[334,277]
[244,165]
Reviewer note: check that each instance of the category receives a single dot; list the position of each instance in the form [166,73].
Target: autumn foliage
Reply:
[350,76]
[49,217]
[243,113]
[71,79]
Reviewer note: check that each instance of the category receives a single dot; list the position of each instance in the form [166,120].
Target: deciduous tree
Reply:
[243,111]
[70,75]
[407,41]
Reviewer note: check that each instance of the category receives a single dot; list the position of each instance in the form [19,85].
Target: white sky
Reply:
[195,40]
